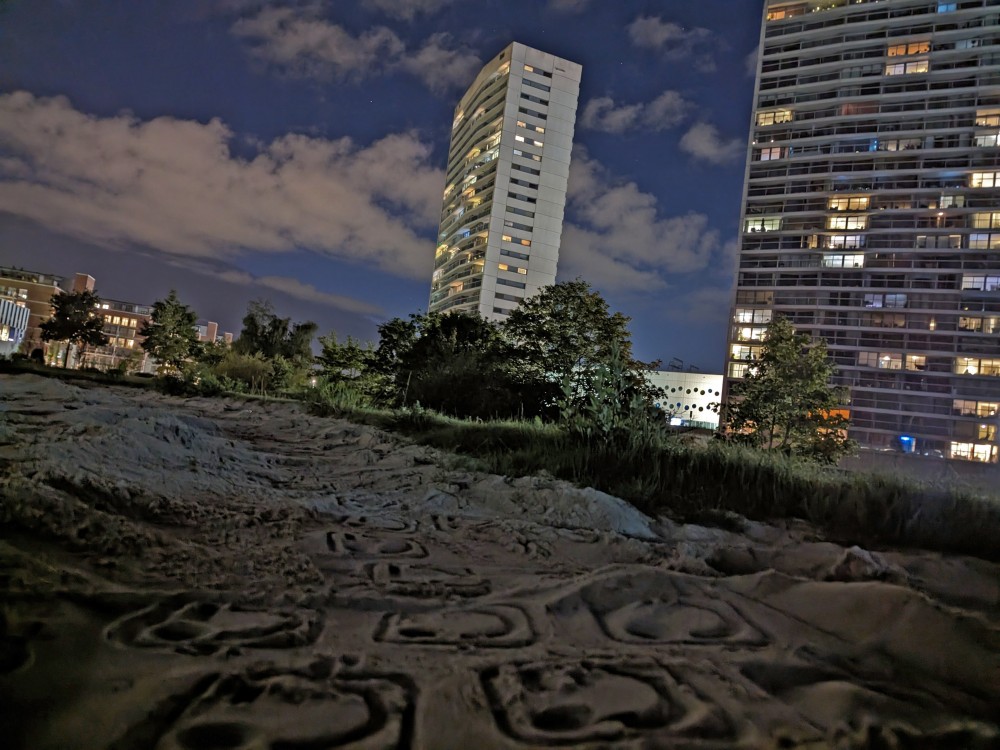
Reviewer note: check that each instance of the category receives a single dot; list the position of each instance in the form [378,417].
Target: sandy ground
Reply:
[200,574]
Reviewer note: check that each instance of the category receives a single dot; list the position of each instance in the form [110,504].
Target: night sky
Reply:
[295,151]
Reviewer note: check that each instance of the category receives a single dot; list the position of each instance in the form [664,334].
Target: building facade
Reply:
[508,164]
[871,211]
[690,399]
[34,291]
[123,323]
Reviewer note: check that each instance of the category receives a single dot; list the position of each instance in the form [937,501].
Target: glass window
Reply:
[913,48]
[986,220]
[843,261]
[845,241]
[849,203]
[770,153]
[916,362]
[847,222]
[988,118]
[750,315]
[915,66]
[983,180]
[774,117]
[762,224]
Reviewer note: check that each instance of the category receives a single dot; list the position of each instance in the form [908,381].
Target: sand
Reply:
[198,574]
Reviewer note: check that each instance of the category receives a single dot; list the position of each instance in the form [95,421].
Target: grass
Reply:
[709,483]
[696,483]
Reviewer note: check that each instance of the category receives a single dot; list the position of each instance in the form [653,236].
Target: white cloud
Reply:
[407,10]
[674,41]
[702,141]
[300,42]
[441,67]
[175,186]
[665,111]
[619,238]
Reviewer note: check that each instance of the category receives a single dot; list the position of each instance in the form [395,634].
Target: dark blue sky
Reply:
[294,151]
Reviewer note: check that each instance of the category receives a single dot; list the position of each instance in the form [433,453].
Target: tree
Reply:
[563,334]
[347,361]
[170,336]
[75,320]
[786,401]
[286,345]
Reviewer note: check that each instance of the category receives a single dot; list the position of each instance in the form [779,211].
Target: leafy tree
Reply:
[75,320]
[347,361]
[786,401]
[560,336]
[286,345]
[170,336]
[266,334]
[456,364]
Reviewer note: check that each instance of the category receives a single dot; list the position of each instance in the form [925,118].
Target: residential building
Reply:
[123,323]
[35,291]
[508,164]
[871,211]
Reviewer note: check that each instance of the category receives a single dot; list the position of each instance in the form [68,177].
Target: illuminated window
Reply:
[845,241]
[984,241]
[849,203]
[847,222]
[981,282]
[916,362]
[751,333]
[774,117]
[952,201]
[988,220]
[977,366]
[991,140]
[762,224]
[988,118]
[983,180]
[738,369]
[843,261]
[913,48]
[787,11]
[745,352]
[770,153]
[750,315]
[915,66]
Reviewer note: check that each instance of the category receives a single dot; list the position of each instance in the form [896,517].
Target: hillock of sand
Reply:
[202,573]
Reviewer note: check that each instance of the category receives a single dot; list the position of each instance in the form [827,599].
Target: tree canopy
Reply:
[170,336]
[75,320]
[786,401]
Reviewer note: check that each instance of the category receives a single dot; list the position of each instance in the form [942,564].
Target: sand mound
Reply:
[194,574]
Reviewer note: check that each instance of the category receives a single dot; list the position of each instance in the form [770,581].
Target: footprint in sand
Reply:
[272,708]
[201,627]
[554,703]
[497,626]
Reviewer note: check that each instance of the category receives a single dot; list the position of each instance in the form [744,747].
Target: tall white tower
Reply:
[502,214]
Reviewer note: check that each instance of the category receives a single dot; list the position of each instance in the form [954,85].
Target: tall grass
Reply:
[690,482]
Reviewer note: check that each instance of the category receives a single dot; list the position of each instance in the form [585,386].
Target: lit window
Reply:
[843,261]
[774,117]
[983,180]
[745,352]
[977,366]
[847,222]
[913,48]
[946,7]
[915,66]
[770,153]
[987,220]
[988,118]
[751,315]
[988,141]
[980,282]
[916,362]
[751,333]
[762,224]
[849,203]
[952,201]
[846,241]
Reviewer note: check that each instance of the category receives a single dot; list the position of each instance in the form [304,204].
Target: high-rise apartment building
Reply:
[871,212]
[508,164]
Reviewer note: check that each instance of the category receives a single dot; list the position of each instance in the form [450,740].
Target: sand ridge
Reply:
[203,573]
